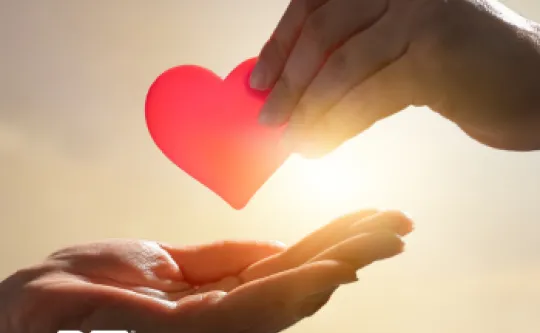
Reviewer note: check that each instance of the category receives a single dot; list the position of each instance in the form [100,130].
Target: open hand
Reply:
[221,287]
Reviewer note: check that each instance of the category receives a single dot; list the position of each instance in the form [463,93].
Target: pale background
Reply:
[78,165]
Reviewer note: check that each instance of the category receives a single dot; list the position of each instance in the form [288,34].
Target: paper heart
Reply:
[208,127]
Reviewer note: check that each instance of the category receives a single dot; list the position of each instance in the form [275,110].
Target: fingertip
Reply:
[407,224]
[266,117]
[402,221]
[365,249]
[387,244]
[390,220]
[258,79]
[273,115]
[278,107]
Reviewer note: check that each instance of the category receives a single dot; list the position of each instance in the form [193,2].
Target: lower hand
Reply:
[225,287]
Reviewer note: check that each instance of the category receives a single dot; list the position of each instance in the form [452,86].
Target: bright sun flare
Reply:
[334,177]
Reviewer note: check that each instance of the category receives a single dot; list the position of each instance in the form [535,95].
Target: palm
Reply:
[148,287]
[139,274]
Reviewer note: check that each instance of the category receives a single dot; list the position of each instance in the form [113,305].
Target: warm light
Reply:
[328,177]
[333,182]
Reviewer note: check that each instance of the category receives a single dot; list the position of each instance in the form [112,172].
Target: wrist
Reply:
[482,70]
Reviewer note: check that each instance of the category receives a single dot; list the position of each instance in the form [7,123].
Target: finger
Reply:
[314,303]
[123,263]
[200,302]
[306,248]
[380,96]
[359,58]
[365,221]
[392,221]
[211,262]
[274,54]
[363,250]
[276,300]
[324,30]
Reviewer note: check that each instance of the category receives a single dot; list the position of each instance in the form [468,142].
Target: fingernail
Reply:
[258,77]
[385,245]
[409,217]
[402,220]
[392,248]
[390,220]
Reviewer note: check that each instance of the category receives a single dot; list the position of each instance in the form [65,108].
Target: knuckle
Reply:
[316,23]
[310,5]
[275,50]
[284,296]
[313,304]
[305,5]
[339,63]
[290,258]
[315,31]
[285,85]
[279,305]
[65,254]
[304,117]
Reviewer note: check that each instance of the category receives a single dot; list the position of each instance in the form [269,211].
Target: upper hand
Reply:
[225,287]
[338,66]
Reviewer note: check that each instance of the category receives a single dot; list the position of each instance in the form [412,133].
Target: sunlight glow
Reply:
[332,180]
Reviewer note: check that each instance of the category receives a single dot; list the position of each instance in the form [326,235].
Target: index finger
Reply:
[275,52]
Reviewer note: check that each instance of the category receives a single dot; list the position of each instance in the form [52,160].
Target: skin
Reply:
[229,287]
[336,67]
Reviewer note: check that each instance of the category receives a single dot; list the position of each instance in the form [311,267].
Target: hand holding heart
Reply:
[336,67]
[228,287]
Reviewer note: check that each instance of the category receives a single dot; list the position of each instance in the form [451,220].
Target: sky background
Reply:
[77,165]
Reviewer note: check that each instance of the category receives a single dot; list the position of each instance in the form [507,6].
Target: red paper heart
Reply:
[208,127]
